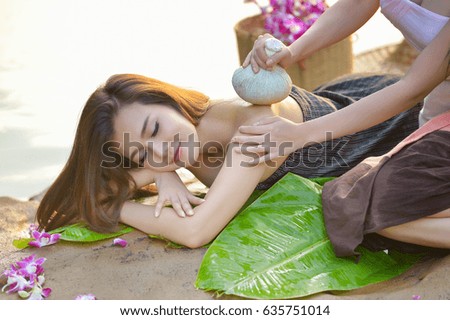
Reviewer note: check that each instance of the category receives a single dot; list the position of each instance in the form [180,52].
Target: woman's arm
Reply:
[336,23]
[143,177]
[428,70]
[232,187]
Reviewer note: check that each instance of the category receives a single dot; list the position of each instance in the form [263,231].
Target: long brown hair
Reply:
[86,190]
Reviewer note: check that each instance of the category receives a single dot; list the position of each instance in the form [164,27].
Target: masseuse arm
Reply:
[428,70]
[231,188]
[336,23]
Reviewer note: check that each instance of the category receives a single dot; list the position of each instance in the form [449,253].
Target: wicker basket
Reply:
[326,64]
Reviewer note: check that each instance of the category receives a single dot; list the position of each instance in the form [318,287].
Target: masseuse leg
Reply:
[432,231]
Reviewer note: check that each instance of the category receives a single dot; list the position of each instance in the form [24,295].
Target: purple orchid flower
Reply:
[26,278]
[287,20]
[29,266]
[37,292]
[16,282]
[43,239]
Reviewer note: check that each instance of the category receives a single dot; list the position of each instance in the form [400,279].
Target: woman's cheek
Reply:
[190,151]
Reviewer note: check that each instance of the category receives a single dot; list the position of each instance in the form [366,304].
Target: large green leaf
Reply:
[277,248]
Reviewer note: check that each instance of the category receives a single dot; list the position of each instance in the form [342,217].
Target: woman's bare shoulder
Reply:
[246,113]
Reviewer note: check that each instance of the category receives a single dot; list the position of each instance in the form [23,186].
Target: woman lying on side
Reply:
[136,130]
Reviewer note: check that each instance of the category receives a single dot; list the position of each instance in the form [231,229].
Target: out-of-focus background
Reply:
[54,53]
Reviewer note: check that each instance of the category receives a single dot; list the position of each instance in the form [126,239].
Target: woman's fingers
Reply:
[181,203]
[258,56]
[178,208]
[187,208]
[247,60]
[257,149]
[195,200]
[248,140]
[254,63]
[259,61]
[158,207]
[266,120]
[187,200]
[274,59]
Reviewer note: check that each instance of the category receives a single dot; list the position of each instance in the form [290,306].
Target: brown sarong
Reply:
[387,191]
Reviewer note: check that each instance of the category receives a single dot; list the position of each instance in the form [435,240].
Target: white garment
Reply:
[420,26]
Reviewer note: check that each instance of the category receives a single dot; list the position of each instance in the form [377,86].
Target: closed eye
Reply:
[142,158]
[155,131]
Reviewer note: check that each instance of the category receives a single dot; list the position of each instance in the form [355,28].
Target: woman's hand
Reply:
[172,190]
[270,138]
[259,59]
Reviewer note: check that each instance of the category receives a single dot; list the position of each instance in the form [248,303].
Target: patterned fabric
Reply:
[334,157]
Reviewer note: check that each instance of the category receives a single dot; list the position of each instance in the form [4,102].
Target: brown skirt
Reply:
[384,192]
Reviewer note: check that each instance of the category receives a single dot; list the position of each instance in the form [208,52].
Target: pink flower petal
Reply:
[35,244]
[55,237]
[36,234]
[120,242]
[416,297]
[46,292]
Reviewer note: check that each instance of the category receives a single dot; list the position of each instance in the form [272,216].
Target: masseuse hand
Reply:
[171,189]
[270,138]
[259,59]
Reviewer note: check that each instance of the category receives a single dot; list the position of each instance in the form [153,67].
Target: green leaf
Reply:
[277,248]
[322,180]
[174,245]
[21,243]
[81,233]
[76,233]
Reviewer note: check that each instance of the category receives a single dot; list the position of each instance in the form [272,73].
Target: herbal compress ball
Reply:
[264,87]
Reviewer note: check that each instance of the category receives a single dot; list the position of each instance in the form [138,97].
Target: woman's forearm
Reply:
[428,70]
[169,225]
[363,114]
[224,199]
[358,116]
[335,24]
